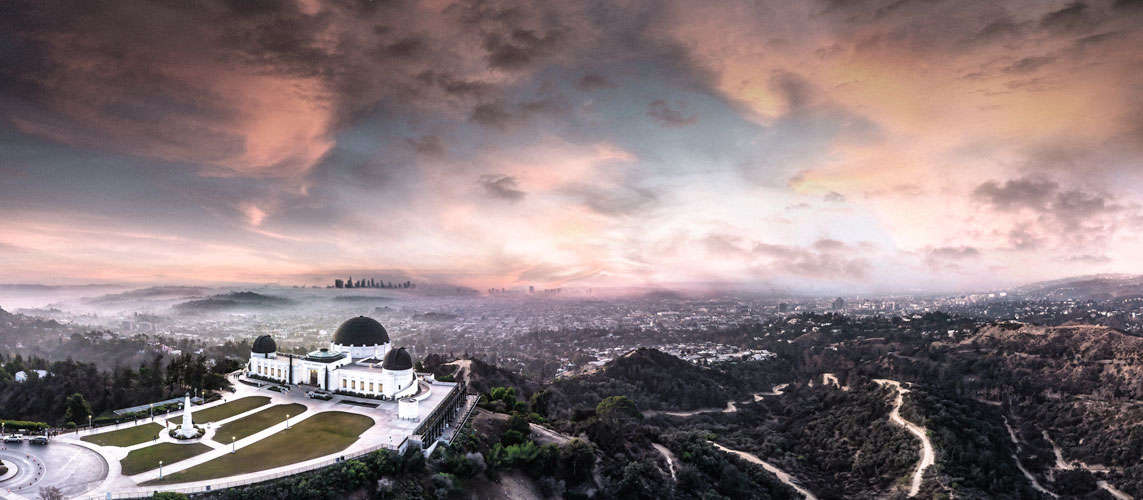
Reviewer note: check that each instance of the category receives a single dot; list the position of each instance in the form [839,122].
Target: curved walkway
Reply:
[928,456]
[388,431]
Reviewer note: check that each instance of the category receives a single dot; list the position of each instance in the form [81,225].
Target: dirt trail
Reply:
[1062,464]
[670,459]
[1035,483]
[928,456]
[783,476]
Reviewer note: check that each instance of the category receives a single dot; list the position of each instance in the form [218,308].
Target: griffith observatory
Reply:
[359,361]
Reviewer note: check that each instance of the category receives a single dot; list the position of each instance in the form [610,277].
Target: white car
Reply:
[13,438]
[319,395]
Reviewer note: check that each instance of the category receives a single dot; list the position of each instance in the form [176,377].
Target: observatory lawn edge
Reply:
[145,459]
[251,424]
[322,434]
[125,437]
[225,410]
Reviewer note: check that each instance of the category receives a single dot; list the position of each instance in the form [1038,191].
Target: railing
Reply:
[440,412]
[258,478]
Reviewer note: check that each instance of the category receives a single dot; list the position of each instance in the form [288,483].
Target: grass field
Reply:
[225,410]
[251,424]
[322,434]
[126,437]
[145,459]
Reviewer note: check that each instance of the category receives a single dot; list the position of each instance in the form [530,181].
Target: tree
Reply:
[51,493]
[617,408]
[78,410]
[578,459]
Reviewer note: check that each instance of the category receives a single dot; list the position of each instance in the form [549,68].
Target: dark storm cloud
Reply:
[669,116]
[502,187]
[1073,18]
[518,49]
[428,145]
[592,81]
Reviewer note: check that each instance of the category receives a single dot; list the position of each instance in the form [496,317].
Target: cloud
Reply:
[428,145]
[669,116]
[1015,194]
[612,201]
[1029,64]
[1073,18]
[501,187]
[592,81]
[834,197]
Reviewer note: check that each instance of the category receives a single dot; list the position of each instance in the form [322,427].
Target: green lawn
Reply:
[225,410]
[145,459]
[251,424]
[322,434]
[126,437]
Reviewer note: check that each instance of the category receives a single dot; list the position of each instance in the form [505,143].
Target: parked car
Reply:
[13,438]
[320,395]
[39,440]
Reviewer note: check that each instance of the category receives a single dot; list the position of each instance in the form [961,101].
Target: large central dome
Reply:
[361,331]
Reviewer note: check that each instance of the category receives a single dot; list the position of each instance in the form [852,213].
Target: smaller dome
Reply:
[397,359]
[264,345]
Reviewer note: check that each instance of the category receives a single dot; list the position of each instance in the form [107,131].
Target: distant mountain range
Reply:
[1100,286]
[155,292]
[233,301]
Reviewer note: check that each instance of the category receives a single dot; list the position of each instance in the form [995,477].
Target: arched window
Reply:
[343,383]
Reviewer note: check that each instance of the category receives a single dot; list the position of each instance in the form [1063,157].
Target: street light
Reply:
[88,422]
[160,469]
[233,446]
[287,420]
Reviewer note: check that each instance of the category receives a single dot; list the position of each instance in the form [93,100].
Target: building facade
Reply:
[359,361]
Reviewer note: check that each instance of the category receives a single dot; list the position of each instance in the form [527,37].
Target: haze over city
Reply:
[808,146]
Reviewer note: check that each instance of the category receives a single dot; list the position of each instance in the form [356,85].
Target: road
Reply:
[928,456]
[71,468]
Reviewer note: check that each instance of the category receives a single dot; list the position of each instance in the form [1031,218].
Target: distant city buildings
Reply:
[369,283]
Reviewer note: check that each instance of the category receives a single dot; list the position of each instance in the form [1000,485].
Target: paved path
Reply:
[387,431]
[928,456]
[72,469]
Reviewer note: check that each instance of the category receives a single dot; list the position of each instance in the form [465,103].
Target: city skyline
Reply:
[865,146]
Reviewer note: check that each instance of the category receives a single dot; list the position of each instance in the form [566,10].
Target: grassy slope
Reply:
[319,435]
[125,437]
[251,424]
[145,459]
[226,410]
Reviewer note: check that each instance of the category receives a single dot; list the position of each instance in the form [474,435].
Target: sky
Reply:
[836,145]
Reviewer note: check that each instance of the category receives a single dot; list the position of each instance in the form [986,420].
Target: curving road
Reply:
[928,456]
[71,468]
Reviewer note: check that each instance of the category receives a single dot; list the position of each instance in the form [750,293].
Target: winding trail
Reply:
[670,459]
[782,475]
[928,456]
[1035,483]
[1062,464]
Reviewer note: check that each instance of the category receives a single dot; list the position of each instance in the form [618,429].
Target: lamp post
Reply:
[160,469]
[89,422]
[287,420]
[233,445]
